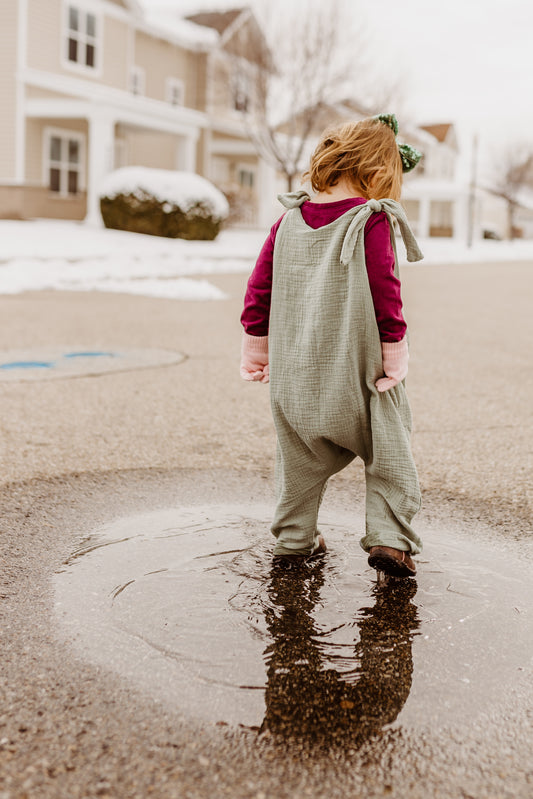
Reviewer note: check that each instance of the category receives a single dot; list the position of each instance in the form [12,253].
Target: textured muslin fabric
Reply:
[325,358]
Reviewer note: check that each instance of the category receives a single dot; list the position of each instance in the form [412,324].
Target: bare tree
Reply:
[314,61]
[516,174]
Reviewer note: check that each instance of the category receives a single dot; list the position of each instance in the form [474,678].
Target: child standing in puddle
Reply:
[323,323]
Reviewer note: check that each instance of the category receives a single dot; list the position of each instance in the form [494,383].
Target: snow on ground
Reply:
[71,256]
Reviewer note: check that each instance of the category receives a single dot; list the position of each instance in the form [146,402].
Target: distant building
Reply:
[435,194]
[495,218]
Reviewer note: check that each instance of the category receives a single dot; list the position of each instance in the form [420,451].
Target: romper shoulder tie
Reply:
[293,199]
[361,217]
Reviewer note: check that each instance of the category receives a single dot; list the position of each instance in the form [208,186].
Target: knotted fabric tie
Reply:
[294,199]
[362,215]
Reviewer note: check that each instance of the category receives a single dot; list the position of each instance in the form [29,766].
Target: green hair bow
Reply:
[410,155]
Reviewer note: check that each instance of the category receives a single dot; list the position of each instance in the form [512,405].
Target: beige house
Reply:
[91,85]
[436,194]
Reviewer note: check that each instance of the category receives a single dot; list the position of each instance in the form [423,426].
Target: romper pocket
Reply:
[397,395]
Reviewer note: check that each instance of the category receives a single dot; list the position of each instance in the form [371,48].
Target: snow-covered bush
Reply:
[161,202]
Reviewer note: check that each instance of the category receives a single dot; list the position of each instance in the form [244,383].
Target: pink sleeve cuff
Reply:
[255,344]
[395,363]
[254,358]
[395,350]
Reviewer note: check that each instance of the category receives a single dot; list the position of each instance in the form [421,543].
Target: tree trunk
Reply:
[511,208]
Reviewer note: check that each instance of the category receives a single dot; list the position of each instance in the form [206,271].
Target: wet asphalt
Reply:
[81,453]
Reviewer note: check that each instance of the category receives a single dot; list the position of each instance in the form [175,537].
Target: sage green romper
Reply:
[325,358]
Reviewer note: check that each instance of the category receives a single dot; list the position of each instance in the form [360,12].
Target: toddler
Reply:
[323,323]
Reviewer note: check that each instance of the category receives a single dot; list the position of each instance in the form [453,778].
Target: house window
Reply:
[82,32]
[175,91]
[245,178]
[241,92]
[64,162]
[441,218]
[137,81]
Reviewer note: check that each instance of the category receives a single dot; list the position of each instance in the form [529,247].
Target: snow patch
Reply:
[126,276]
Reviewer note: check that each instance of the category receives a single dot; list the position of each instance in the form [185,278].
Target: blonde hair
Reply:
[364,153]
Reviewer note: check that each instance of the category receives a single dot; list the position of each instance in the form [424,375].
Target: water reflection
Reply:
[323,693]
[183,603]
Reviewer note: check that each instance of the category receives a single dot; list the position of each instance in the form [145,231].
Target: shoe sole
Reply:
[286,559]
[385,563]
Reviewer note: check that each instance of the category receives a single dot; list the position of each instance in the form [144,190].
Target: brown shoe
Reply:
[319,550]
[394,562]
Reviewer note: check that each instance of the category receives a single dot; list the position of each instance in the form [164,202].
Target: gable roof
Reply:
[323,115]
[131,5]
[219,20]
[239,33]
[440,131]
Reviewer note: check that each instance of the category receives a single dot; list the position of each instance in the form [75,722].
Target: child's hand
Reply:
[254,358]
[395,356]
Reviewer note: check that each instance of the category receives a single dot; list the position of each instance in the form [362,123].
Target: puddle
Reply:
[49,363]
[186,604]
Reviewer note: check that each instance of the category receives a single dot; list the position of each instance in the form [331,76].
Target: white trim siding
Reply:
[20,120]
[155,112]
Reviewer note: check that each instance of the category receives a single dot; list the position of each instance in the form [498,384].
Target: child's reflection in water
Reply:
[306,697]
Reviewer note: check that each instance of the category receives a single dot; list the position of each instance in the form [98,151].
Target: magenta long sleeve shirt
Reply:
[384,285]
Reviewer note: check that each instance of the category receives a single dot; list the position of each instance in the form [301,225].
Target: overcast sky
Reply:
[465,61]
[461,61]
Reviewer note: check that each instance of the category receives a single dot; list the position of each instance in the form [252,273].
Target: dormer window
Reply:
[138,81]
[175,91]
[82,37]
[241,92]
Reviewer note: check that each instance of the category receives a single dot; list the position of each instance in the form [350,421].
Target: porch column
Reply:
[186,155]
[460,217]
[100,159]
[266,193]
[424,220]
